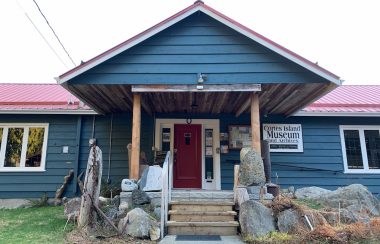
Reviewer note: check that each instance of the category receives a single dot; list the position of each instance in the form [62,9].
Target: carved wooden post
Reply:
[136,127]
[255,122]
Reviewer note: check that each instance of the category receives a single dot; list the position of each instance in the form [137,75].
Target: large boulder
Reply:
[355,196]
[139,224]
[255,219]
[139,197]
[294,221]
[251,170]
[72,207]
[128,185]
[151,179]
[312,192]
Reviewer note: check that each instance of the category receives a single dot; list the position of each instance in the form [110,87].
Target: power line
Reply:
[72,61]
[43,37]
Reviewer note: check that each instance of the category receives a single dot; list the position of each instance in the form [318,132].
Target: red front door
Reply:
[187,157]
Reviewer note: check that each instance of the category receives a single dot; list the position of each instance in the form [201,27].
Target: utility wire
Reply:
[55,34]
[43,37]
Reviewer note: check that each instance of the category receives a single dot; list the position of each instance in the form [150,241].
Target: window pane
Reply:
[34,150]
[372,143]
[14,146]
[353,149]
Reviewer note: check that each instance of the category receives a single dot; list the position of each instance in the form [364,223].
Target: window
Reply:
[23,147]
[361,148]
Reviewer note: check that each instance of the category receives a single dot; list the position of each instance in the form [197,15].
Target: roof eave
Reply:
[45,111]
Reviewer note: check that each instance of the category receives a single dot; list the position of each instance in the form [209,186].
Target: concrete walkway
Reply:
[169,239]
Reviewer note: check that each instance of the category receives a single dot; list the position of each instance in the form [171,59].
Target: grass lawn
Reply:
[33,225]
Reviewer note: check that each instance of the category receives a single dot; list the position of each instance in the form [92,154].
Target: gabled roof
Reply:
[199,6]
[39,98]
[350,100]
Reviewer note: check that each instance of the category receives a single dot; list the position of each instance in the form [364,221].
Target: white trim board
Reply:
[361,129]
[217,16]
[206,124]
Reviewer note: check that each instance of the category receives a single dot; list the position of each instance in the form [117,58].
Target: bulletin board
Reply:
[239,136]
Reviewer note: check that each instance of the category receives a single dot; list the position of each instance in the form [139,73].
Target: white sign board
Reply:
[283,137]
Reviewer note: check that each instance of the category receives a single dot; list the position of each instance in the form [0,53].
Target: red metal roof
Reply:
[15,97]
[199,5]
[350,98]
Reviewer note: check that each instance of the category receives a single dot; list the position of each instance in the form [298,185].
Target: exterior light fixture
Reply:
[201,78]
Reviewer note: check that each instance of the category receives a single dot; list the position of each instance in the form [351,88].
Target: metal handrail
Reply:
[166,191]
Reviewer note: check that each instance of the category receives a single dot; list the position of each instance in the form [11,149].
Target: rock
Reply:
[112,213]
[140,197]
[115,201]
[72,207]
[155,202]
[139,224]
[251,170]
[155,233]
[312,192]
[332,218]
[128,185]
[293,220]
[355,213]
[255,219]
[355,195]
[15,203]
[157,213]
[151,179]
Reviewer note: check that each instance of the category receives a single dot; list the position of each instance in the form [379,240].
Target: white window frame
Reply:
[360,128]
[26,127]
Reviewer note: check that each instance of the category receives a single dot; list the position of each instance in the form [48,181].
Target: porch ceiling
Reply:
[274,99]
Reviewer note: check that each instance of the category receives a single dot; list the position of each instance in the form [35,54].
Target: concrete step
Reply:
[202,228]
[201,216]
[204,206]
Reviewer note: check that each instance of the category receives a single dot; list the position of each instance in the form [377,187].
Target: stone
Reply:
[112,213]
[115,201]
[15,203]
[154,233]
[139,224]
[128,185]
[312,192]
[256,189]
[139,197]
[72,207]
[255,219]
[332,218]
[293,221]
[155,202]
[151,179]
[251,170]
[357,196]
[157,213]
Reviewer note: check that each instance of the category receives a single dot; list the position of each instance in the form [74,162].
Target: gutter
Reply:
[54,111]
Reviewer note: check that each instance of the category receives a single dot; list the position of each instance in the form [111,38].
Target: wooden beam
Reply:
[197,88]
[243,107]
[136,127]
[255,122]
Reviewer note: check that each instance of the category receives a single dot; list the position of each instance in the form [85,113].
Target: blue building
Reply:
[202,86]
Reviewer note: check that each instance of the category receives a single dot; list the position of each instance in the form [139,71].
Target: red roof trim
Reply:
[184,11]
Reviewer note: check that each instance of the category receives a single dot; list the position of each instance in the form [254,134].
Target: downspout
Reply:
[77,143]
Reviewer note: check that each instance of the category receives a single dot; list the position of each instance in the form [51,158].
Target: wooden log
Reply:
[255,122]
[136,128]
[241,195]
[66,181]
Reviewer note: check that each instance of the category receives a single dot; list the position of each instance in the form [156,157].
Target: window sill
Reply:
[362,171]
[21,170]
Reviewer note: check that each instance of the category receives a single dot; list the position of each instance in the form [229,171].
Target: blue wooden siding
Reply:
[197,44]
[62,132]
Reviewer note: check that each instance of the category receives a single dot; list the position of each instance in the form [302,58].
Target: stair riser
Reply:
[201,218]
[209,230]
[201,207]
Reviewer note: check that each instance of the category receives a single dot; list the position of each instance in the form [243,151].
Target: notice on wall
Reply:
[283,137]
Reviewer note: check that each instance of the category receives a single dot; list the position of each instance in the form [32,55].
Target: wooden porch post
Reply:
[255,122]
[136,126]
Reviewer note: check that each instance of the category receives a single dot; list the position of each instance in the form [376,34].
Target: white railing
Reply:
[166,192]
